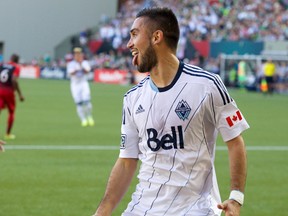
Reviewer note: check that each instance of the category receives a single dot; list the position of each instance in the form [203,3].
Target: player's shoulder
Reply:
[71,62]
[7,65]
[198,74]
[211,82]
[136,89]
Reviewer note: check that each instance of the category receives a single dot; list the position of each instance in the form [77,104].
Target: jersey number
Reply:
[4,75]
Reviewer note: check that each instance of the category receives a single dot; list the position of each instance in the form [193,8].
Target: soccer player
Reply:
[170,123]
[78,70]
[9,74]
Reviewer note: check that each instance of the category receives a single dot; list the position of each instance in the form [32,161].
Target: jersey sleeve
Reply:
[16,71]
[72,67]
[229,120]
[129,147]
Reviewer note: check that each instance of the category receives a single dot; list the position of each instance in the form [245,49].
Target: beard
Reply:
[148,61]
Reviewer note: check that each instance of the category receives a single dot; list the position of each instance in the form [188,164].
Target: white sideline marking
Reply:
[111,148]
[60,147]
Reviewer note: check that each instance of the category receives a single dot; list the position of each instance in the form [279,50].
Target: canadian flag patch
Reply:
[234,119]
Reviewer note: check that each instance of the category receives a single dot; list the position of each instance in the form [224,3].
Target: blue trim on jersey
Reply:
[199,72]
[178,74]
[153,86]
[139,85]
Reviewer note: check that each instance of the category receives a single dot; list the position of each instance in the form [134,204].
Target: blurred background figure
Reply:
[269,69]
[78,69]
[9,72]
[282,77]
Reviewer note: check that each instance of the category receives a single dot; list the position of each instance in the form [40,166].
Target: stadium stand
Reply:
[202,22]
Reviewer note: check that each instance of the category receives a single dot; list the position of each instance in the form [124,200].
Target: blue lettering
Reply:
[167,141]
[153,139]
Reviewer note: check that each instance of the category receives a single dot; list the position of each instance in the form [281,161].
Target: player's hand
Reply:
[2,146]
[230,207]
[21,98]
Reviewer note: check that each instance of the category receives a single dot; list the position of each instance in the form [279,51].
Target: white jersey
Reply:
[80,76]
[173,132]
[79,84]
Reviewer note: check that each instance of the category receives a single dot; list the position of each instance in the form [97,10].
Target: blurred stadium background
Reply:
[54,167]
[233,38]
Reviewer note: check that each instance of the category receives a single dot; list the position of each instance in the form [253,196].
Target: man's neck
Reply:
[163,74]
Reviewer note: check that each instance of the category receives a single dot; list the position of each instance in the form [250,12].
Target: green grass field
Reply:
[58,182]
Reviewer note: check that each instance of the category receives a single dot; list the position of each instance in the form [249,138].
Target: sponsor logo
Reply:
[110,76]
[167,141]
[140,109]
[183,110]
[52,73]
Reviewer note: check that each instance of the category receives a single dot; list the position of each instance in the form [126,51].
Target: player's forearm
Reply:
[238,172]
[72,73]
[19,92]
[119,181]
[17,88]
[238,163]
[85,69]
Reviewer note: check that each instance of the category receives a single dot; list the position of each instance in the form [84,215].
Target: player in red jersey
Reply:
[9,72]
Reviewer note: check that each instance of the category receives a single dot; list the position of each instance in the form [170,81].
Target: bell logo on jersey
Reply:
[167,141]
[234,119]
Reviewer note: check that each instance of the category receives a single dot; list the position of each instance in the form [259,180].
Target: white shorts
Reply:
[156,200]
[80,92]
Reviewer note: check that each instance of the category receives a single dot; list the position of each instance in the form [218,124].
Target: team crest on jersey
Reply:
[183,110]
[123,141]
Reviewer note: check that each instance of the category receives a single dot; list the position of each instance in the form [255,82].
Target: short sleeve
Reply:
[70,68]
[16,71]
[229,120]
[129,147]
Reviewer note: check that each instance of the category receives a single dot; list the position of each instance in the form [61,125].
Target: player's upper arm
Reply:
[129,135]
[16,72]
[70,68]
[229,120]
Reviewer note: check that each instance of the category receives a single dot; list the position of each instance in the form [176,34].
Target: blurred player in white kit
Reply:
[77,70]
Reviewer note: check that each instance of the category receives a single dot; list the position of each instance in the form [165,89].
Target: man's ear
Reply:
[157,37]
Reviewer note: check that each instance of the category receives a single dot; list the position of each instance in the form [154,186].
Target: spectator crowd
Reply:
[213,20]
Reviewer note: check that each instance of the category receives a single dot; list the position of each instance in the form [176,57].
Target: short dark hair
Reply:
[163,18]
[14,58]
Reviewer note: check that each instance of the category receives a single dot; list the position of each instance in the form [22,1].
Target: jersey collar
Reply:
[166,88]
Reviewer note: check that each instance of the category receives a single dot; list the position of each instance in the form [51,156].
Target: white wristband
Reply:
[238,196]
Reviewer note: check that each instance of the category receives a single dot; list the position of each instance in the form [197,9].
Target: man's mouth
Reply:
[135,57]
